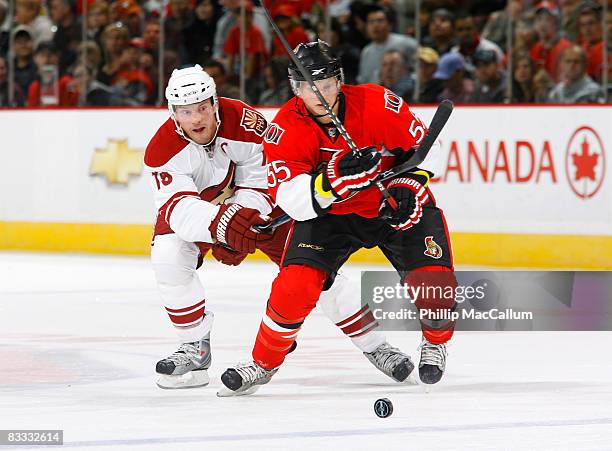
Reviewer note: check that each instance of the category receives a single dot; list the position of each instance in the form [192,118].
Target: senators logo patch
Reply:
[273,134]
[393,102]
[432,249]
[252,121]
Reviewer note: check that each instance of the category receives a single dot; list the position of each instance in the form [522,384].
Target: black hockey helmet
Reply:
[319,59]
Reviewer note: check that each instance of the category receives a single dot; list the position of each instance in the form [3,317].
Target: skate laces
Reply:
[433,354]
[185,354]
[387,357]
[251,372]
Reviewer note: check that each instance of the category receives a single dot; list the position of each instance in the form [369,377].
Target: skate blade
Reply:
[192,379]
[225,392]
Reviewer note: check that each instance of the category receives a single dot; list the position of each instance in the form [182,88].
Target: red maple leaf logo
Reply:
[585,162]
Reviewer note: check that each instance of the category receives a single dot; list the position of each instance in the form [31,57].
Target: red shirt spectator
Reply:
[255,47]
[68,92]
[546,53]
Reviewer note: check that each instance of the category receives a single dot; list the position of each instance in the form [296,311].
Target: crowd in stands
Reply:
[107,53]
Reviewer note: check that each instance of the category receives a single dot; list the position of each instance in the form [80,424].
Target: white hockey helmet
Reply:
[188,86]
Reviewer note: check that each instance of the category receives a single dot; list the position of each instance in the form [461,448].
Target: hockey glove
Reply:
[233,226]
[410,194]
[228,256]
[347,172]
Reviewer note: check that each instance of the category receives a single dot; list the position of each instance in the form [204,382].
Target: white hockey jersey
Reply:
[189,181]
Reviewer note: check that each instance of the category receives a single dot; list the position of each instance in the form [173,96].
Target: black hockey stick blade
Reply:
[438,122]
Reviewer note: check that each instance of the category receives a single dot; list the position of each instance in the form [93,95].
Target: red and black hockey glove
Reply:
[228,256]
[410,194]
[233,226]
[347,172]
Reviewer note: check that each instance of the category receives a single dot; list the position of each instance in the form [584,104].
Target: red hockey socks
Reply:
[295,292]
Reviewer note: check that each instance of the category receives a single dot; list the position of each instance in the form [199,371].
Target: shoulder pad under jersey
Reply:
[164,145]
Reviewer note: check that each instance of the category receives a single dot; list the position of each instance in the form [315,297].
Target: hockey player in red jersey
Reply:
[329,190]
[209,182]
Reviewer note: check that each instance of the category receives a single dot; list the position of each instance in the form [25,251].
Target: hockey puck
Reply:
[383,408]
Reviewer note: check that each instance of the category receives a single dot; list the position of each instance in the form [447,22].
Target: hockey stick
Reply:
[438,122]
[328,109]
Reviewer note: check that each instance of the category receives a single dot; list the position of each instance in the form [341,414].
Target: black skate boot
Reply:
[433,362]
[244,379]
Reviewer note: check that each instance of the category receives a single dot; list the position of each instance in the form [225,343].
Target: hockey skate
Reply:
[433,362]
[244,379]
[187,367]
[391,361]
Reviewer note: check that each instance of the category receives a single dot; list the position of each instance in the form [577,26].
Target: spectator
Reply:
[68,34]
[469,41]
[542,85]
[200,35]
[547,51]
[490,80]
[441,35]
[44,90]
[130,14]
[25,68]
[115,38]
[255,48]
[575,86]
[96,93]
[4,28]
[151,35]
[356,27]
[430,87]
[229,19]
[148,63]
[18,98]
[98,17]
[394,75]
[590,29]
[496,26]
[347,52]
[525,36]
[277,90]
[523,72]
[569,13]
[288,23]
[378,27]
[451,69]
[134,82]
[175,27]
[89,52]
[217,71]
[28,12]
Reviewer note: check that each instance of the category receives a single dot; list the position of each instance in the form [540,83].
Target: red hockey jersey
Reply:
[296,145]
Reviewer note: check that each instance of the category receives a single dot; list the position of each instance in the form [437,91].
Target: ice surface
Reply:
[80,335]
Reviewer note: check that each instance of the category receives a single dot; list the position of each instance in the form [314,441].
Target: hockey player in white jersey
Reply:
[209,180]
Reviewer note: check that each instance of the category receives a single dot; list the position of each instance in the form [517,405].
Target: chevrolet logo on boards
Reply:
[116,162]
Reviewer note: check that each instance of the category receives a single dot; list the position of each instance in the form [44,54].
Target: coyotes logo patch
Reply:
[252,121]
[432,249]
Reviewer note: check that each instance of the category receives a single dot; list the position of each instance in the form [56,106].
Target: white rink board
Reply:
[46,156]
